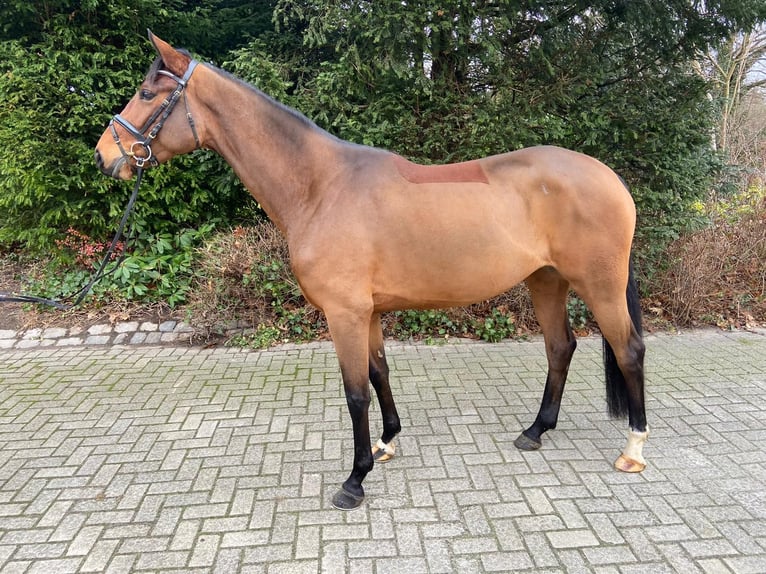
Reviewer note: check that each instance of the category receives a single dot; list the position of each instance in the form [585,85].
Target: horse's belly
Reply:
[450,279]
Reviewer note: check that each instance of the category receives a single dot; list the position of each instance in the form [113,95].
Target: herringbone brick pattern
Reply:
[161,459]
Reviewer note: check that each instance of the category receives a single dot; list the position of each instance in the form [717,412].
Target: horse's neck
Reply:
[273,151]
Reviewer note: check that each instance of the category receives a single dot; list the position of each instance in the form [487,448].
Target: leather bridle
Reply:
[148,132]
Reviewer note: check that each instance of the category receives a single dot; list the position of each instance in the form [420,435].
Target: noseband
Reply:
[144,137]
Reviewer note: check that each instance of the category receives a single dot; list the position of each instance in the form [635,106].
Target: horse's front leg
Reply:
[350,332]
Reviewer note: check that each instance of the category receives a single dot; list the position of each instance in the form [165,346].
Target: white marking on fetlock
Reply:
[635,447]
[386,450]
[632,458]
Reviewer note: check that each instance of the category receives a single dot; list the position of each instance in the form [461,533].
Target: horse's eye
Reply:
[146,95]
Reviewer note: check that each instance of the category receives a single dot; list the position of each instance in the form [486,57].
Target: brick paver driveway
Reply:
[173,459]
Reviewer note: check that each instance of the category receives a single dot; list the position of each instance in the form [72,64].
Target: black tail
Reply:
[616,390]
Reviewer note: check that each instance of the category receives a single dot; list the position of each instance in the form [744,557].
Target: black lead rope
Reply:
[15,298]
[101,272]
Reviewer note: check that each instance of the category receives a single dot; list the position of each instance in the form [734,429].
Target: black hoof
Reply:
[344,500]
[523,442]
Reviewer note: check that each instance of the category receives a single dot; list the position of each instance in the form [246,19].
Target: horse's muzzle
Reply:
[115,169]
[99,161]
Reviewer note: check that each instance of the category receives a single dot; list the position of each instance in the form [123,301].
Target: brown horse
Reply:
[369,231]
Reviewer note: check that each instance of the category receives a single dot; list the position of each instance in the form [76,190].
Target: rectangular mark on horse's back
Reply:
[464,172]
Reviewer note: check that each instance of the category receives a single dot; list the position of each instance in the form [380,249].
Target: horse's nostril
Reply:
[99,160]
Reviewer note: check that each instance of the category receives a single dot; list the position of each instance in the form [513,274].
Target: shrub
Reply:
[717,275]
[244,285]
[429,323]
[153,267]
[498,325]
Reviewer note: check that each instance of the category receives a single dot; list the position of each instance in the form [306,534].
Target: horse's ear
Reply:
[174,60]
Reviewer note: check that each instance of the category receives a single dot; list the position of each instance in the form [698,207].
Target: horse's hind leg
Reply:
[384,449]
[625,392]
[549,292]
[619,317]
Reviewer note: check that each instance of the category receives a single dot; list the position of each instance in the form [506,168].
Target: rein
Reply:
[143,141]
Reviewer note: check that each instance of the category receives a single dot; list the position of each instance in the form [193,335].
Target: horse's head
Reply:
[162,110]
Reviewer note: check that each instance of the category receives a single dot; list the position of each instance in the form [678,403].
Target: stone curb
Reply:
[172,332]
[123,333]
